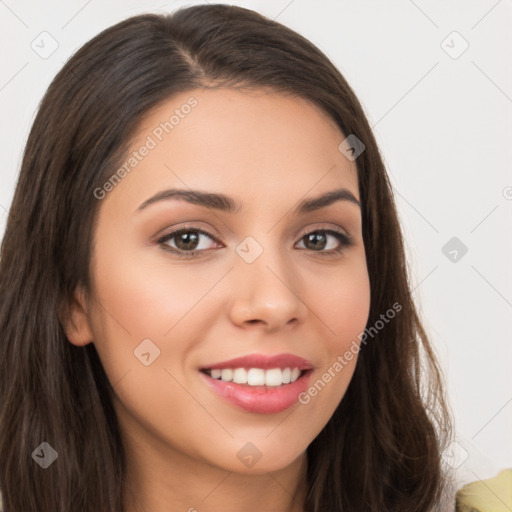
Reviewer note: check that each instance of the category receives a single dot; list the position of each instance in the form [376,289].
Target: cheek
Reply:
[149,297]
[342,303]
[123,316]
[153,301]
[348,308]
[342,311]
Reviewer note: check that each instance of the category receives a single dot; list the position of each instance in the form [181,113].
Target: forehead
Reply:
[240,142]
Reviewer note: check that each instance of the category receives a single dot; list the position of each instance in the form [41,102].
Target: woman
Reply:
[205,302]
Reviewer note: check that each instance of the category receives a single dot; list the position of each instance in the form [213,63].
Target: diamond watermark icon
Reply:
[249,250]
[146,352]
[454,45]
[455,455]
[44,455]
[249,455]
[44,45]
[351,147]
[454,249]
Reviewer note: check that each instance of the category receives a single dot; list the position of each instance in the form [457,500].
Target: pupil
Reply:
[188,238]
[315,237]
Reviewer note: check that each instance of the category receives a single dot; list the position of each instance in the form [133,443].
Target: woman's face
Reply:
[269,277]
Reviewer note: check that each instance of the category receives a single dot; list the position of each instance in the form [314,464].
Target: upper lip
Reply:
[263,361]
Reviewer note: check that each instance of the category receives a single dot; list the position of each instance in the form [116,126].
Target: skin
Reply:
[268,151]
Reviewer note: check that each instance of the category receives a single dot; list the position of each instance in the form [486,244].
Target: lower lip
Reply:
[260,399]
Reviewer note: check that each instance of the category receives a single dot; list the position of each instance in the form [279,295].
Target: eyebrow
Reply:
[227,204]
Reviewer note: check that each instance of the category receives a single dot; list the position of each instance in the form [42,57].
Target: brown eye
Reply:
[318,241]
[186,241]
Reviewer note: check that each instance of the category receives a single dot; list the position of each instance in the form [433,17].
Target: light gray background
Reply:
[444,127]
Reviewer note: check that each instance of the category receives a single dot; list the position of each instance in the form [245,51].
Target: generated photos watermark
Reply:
[348,355]
[157,135]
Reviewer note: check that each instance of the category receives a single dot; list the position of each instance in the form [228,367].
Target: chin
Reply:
[258,458]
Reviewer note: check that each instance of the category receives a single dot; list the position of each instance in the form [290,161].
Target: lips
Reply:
[259,383]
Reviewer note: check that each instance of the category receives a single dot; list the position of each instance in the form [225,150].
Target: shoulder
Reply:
[489,495]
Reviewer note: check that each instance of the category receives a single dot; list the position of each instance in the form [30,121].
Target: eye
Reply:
[318,241]
[185,241]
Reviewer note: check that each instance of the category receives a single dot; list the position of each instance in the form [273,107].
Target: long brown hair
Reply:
[381,450]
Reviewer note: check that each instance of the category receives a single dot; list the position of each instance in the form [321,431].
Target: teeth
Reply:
[274,377]
[256,376]
[240,376]
[226,375]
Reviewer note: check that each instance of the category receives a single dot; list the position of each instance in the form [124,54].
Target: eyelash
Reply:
[344,240]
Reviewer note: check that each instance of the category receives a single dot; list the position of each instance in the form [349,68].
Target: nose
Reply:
[266,292]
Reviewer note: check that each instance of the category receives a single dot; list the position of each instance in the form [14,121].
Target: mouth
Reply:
[259,383]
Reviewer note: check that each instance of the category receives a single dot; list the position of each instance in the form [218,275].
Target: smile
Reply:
[259,383]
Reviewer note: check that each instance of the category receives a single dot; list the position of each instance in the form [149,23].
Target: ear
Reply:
[75,320]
